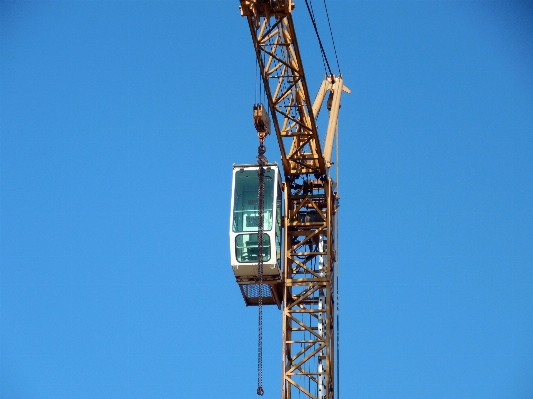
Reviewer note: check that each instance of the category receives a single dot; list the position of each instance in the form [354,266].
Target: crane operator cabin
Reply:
[243,231]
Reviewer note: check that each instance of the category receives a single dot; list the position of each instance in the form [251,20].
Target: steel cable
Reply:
[318,36]
[332,39]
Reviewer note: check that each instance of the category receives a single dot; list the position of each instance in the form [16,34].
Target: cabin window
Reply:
[278,226]
[245,206]
[246,248]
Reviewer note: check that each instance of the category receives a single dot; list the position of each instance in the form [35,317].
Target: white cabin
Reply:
[243,229]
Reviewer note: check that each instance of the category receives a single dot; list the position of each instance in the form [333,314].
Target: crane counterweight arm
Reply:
[335,86]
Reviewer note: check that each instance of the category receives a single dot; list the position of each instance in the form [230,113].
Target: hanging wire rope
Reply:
[324,56]
[321,53]
[332,39]
[261,82]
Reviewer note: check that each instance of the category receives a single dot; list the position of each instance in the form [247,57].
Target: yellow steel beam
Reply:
[282,72]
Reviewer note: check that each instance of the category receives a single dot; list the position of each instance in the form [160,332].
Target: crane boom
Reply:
[281,68]
[311,201]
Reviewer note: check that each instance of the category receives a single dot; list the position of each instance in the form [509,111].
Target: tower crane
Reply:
[283,240]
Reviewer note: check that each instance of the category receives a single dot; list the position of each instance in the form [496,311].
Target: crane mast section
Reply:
[281,68]
[308,336]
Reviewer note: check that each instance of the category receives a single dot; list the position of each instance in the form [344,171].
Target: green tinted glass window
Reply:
[245,210]
[246,248]
[278,226]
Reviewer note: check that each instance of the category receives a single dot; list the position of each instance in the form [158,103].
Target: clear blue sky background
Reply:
[120,121]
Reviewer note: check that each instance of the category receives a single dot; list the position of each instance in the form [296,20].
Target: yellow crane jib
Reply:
[266,8]
[280,66]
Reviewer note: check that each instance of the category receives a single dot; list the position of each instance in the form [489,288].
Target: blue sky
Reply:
[119,123]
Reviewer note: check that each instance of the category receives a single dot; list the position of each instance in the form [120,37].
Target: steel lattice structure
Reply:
[281,67]
[308,343]
[308,300]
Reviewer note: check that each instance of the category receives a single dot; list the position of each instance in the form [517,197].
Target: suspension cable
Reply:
[321,53]
[318,36]
[332,39]
[255,83]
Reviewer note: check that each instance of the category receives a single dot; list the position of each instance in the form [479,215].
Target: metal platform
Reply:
[271,294]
